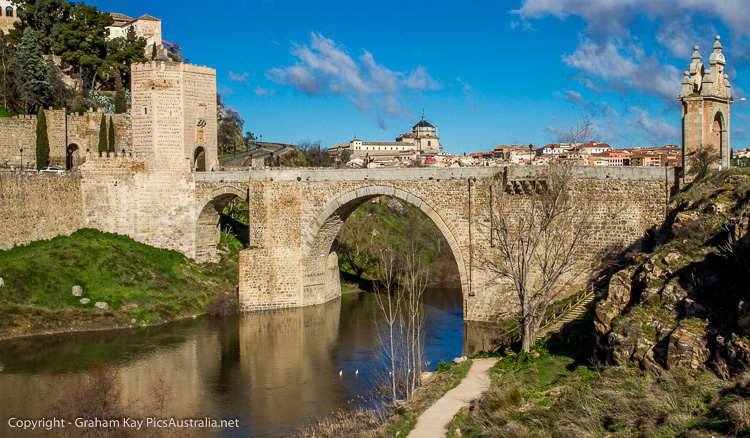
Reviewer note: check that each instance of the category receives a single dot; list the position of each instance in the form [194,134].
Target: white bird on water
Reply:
[341,373]
[356,372]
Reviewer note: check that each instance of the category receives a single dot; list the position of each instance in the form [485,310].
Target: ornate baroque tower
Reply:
[706,96]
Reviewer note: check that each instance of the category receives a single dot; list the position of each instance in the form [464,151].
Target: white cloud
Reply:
[324,67]
[260,91]
[609,55]
[656,130]
[238,77]
[225,90]
[466,87]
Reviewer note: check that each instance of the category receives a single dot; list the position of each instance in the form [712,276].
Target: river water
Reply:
[275,371]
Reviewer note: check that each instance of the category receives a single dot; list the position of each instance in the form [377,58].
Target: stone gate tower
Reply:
[174,114]
[706,96]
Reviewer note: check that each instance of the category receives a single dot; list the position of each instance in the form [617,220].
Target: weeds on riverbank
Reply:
[556,391]
[140,284]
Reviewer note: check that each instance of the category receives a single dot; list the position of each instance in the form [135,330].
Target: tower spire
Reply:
[422,113]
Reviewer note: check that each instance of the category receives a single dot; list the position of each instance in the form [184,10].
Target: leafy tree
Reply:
[103,135]
[121,53]
[249,138]
[701,160]
[60,94]
[47,17]
[229,129]
[42,142]
[9,83]
[345,156]
[111,135]
[121,101]
[33,70]
[82,44]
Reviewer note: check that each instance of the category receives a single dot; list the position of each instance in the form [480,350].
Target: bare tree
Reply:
[399,293]
[535,239]
[388,298]
[580,133]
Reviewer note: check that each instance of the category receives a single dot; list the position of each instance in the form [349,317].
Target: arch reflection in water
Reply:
[275,371]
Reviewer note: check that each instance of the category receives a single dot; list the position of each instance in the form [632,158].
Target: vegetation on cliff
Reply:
[666,352]
[140,284]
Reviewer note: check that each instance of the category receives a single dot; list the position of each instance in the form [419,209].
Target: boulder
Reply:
[743,317]
[618,297]
[672,294]
[84,301]
[101,305]
[459,360]
[671,258]
[77,291]
[683,220]
[688,350]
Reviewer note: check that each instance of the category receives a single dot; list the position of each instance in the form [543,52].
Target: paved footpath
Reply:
[434,421]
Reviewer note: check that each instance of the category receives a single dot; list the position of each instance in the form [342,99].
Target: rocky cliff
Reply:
[686,304]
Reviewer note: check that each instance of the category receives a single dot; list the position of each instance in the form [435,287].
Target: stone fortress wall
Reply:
[36,207]
[78,130]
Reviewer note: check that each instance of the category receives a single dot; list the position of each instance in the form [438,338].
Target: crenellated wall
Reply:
[78,130]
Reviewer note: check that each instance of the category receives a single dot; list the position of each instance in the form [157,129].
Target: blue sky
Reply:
[485,73]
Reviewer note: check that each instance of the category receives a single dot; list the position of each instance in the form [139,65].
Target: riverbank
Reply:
[363,423]
[54,286]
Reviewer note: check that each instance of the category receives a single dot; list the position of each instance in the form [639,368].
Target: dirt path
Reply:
[434,421]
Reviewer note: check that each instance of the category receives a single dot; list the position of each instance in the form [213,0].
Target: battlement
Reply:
[117,156]
[172,66]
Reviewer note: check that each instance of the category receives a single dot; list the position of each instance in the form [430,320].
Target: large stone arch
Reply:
[320,281]
[207,232]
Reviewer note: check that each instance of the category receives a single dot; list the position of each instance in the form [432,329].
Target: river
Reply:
[274,371]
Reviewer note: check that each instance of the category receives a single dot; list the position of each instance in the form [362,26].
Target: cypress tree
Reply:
[121,102]
[153,51]
[103,135]
[111,135]
[42,142]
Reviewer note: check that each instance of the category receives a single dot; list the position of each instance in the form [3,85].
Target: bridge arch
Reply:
[320,282]
[207,231]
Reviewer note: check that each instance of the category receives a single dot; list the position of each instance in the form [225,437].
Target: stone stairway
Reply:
[579,309]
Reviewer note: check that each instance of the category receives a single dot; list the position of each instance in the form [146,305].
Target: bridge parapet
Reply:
[435,173]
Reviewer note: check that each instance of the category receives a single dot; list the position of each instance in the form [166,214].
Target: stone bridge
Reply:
[295,215]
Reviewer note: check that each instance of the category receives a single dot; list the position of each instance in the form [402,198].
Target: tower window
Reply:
[145,110]
[9,11]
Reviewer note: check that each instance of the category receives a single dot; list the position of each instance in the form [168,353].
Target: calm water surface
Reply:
[275,371]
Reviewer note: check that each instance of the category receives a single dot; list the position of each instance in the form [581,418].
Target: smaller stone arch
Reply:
[719,138]
[71,156]
[199,159]
[208,232]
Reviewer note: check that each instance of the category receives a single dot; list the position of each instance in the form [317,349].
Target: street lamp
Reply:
[21,159]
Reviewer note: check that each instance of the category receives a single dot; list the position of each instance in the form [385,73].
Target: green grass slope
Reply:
[141,284]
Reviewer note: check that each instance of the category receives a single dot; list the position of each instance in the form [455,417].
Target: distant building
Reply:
[424,136]
[145,26]
[8,15]
[422,139]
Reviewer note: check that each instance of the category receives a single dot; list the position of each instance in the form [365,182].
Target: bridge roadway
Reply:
[296,213]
